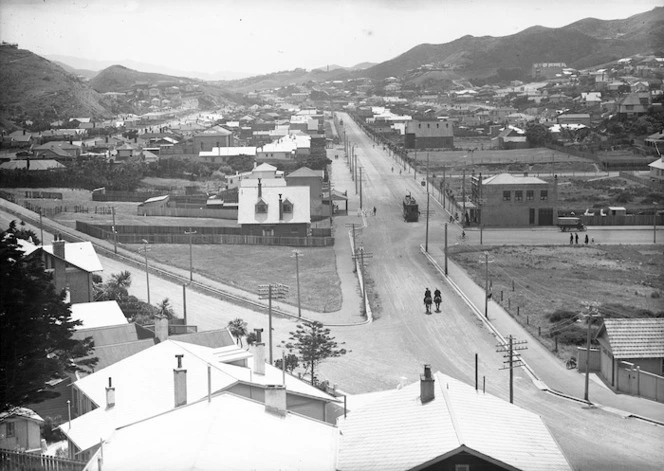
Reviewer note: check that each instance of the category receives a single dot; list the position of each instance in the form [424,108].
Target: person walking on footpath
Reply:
[586,239]
[576,239]
[374,209]
[571,239]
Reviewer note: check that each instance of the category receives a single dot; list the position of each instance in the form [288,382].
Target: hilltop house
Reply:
[634,104]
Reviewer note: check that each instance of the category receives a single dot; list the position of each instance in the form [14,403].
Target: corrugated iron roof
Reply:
[395,431]
[509,179]
[635,338]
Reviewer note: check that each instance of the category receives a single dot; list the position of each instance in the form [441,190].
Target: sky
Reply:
[262,36]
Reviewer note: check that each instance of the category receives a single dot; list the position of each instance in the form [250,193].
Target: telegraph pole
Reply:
[426,240]
[41,227]
[486,285]
[590,322]
[445,249]
[513,359]
[360,187]
[463,196]
[190,233]
[147,272]
[271,291]
[296,254]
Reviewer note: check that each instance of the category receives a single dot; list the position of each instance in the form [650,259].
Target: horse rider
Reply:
[437,299]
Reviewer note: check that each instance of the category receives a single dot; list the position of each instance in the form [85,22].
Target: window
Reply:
[428,125]
[544,195]
[507,195]
[530,194]
[11,429]
[518,195]
[288,206]
[461,467]
[261,207]
[419,125]
[629,107]
[437,125]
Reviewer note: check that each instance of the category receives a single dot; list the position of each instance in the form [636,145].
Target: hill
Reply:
[118,78]
[36,88]
[85,74]
[582,44]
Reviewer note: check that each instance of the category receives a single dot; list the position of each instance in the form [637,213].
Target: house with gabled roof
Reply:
[172,374]
[634,104]
[20,429]
[72,264]
[313,179]
[223,431]
[441,423]
[270,211]
[639,342]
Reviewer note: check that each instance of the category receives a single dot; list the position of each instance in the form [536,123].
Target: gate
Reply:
[545,217]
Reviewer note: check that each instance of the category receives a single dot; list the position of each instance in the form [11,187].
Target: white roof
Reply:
[508,179]
[229,432]
[252,181]
[228,152]
[97,314]
[396,431]
[154,199]
[298,195]
[659,163]
[79,254]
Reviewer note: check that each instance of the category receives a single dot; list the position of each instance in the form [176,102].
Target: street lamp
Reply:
[190,233]
[147,273]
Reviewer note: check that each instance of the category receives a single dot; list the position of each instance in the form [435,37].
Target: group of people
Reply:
[574,239]
[428,300]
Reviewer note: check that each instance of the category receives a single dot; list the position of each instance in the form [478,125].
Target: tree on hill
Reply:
[537,135]
[238,329]
[313,344]
[36,327]
[21,232]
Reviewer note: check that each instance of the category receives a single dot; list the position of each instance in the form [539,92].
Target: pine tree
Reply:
[313,344]
[35,329]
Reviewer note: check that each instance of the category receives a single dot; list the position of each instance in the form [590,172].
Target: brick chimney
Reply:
[275,399]
[110,394]
[427,393]
[59,247]
[260,188]
[161,328]
[180,383]
[281,209]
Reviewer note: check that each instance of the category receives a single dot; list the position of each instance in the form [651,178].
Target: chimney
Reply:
[59,247]
[110,394]
[259,358]
[427,381]
[180,383]
[161,328]
[275,399]
[24,132]
[281,209]
[260,188]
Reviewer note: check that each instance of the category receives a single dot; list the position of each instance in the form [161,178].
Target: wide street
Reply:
[402,337]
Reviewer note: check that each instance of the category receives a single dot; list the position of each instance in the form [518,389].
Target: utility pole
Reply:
[41,227]
[360,256]
[271,291]
[115,232]
[426,239]
[190,233]
[360,187]
[486,285]
[147,272]
[590,322]
[445,249]
[654,227]
[463,196]
[513,359]
[296,254]
[184,303]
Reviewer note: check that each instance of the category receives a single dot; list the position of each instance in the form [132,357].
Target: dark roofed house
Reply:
[630,348]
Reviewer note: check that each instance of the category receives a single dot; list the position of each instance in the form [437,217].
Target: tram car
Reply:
[411,212]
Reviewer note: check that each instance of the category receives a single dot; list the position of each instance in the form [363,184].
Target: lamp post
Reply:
[147,273]
[190,233]
[654,226]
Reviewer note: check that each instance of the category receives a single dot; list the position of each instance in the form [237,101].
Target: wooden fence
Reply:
[645,181]
[20,461]
[171,235]
[188,212]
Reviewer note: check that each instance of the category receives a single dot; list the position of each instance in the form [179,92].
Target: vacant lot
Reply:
[247,266]
[620,280]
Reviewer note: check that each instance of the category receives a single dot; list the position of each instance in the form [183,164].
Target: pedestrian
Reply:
[374,210]
[586,239]
[576,239]
[571,239]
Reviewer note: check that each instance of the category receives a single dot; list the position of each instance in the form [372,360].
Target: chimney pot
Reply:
[59,248]
[260,188]
[275,399]
[427,382]
[281,209]
[110,394]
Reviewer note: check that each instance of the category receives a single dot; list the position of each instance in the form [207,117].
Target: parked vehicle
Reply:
[570,224]
[411,212]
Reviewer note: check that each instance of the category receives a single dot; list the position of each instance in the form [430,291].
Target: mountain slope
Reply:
[582,44]
[118,78]
[36,88]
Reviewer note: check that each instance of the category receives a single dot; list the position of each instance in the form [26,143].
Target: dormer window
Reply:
[261,207]
[288,207]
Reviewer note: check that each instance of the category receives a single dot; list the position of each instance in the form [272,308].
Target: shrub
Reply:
[560,315]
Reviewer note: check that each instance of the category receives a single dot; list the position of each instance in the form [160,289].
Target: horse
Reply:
[437,300]
[427,304]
